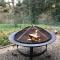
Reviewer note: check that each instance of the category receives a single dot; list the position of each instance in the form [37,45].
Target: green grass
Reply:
[7,29]
[4,40]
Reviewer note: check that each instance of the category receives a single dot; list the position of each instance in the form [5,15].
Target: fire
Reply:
[34,36]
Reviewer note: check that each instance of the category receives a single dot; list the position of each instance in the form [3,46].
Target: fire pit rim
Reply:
[11,38]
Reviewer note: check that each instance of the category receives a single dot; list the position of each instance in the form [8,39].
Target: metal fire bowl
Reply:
[11,38]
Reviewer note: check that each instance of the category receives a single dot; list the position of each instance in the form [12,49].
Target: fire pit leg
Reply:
[48,55]
[31,50]
[31,53]
[31,58]
[46,47]
[17,46]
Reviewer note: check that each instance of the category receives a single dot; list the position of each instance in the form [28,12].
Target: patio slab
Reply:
[53,50]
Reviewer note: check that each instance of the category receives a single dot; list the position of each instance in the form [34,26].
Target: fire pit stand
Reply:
[31,52]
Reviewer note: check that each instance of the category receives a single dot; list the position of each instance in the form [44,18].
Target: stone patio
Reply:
[53,51]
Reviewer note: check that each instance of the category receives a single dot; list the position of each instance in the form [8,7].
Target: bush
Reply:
[4,40]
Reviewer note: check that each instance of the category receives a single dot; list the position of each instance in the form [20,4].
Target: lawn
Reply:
[7,29]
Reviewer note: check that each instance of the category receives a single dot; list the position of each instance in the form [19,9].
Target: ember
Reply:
[34,36]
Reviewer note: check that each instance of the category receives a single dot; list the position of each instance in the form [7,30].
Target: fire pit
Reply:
[32,36]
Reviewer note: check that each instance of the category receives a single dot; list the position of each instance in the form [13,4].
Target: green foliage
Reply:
[18,4]
[7,29]
[34,8]
[4,40]
[2,3]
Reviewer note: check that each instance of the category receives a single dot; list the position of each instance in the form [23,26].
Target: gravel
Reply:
[53,52]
